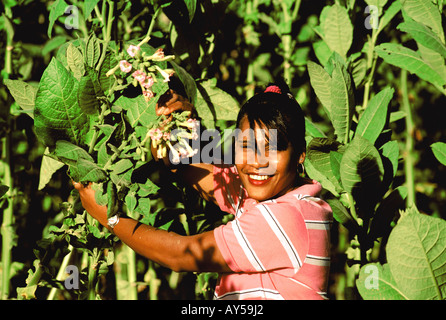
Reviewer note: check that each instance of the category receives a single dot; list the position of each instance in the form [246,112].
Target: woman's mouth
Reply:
[258,179]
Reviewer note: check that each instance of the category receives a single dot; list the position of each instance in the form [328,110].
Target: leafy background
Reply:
[373,99]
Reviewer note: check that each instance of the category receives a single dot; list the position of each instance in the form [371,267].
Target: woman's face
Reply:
[265,172]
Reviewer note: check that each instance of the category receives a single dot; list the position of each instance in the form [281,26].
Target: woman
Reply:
[277,247]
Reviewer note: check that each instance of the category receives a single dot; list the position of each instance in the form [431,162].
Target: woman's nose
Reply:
[260,160]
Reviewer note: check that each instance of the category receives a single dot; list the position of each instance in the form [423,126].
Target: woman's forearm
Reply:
[180,253]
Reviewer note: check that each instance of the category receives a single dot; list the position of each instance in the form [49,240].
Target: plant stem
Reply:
[152,23]
[92,272]
[353,208]
[410,144]
[154,282]
[118,152]
[8,217]
[131,274]
[7,230]
[37,275]
[96,130]
[371,64]
[287,39]
[106,29]
[61,272]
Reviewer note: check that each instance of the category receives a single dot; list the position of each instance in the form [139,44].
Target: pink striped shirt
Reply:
[277,249]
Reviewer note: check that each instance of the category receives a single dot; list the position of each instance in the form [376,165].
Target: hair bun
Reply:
[273,88]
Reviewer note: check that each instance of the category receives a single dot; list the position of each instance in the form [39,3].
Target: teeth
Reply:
[256,177]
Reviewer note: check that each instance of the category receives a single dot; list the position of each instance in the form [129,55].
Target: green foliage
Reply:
[416,262]
[359,165]
[375,138]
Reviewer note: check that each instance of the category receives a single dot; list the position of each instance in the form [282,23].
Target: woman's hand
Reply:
[180,253]
[87,196]
[168,103]
[172,101]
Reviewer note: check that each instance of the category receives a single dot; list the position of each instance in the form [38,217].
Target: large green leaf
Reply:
[215,104]
[321,82]
[424,11]
[410,60]
[57,115]
[188,82]
[362,172]
[338,30]
[340,213]
[92,52]
[423,35]
[431,47]
[82,166]
[313,173]
[139,112]
[48,167]
[69,152]
[416,253]
[374,117]
[375,282]
[87,171]
[343,103]
[312,130]
[24,94]
[319,154]
[433,60]
[386,213]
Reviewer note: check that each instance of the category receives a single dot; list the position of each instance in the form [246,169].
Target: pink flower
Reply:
[139,75]
[125,66]
[147,82]
[133,50]
[155,134]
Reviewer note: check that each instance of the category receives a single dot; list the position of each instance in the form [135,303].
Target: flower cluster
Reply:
[143,69]
[175,136]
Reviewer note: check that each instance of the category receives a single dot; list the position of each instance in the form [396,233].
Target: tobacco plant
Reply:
[358,163]
[364,72]
[94,110]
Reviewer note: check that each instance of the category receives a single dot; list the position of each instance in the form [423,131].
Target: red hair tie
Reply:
[273,88]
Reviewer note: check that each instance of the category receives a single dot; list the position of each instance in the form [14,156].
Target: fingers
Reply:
[171,102]
[79,186]
[76,185]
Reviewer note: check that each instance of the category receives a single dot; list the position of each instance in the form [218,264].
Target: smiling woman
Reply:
[278,245]
[267,159]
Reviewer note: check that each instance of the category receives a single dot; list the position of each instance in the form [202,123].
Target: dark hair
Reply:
[277,109]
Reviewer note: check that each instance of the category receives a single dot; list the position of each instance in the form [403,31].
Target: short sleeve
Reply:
[267,237]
